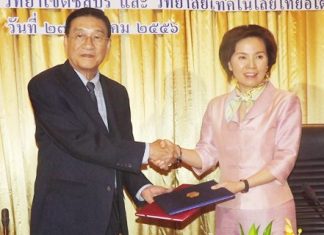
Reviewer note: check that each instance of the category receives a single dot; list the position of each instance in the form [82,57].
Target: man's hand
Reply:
[162,154]
[151,191]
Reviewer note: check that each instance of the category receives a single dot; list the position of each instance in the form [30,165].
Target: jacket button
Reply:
[108,188]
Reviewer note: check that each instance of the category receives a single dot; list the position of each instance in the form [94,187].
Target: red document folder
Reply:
[153,210]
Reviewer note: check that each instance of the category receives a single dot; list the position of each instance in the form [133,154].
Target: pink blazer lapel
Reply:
[262,103]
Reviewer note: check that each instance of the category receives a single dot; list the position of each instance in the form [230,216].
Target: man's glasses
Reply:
[97,38]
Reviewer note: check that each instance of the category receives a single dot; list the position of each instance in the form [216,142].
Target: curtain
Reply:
[170,80]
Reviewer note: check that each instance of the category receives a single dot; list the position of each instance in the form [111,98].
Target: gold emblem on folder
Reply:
[192,194]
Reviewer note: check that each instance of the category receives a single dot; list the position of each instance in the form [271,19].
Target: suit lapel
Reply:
[107,93]
[262,103]
[76,89]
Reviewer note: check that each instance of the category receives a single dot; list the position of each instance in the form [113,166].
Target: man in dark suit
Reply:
[87,153]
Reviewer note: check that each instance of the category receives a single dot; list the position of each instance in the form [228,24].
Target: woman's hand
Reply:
[233,186]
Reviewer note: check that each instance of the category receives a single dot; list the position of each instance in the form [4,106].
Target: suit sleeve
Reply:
[287,138]
[74,131]
[206,148]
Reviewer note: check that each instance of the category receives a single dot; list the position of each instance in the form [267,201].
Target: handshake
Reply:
[164,153]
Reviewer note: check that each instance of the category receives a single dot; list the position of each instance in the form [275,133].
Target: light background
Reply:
[170,79]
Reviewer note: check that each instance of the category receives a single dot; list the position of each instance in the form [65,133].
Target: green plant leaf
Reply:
[267,230]
[241,228]
[254,230]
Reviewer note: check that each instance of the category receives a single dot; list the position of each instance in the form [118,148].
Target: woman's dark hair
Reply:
[99,14]
[231,38]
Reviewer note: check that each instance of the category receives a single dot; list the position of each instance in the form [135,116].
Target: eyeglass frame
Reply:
[81,35]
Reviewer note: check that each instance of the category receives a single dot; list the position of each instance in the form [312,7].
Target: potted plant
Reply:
[254,230]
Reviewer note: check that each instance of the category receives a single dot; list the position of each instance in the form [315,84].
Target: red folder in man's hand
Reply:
[153,210]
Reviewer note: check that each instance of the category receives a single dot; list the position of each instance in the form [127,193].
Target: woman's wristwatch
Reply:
[246,186]
[179,157]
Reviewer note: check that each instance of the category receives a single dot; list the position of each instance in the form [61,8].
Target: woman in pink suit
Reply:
[253,133]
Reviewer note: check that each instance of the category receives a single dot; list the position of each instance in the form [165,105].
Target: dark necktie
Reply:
[91,86]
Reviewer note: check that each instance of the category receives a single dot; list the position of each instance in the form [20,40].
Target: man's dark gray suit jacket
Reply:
[78,158]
